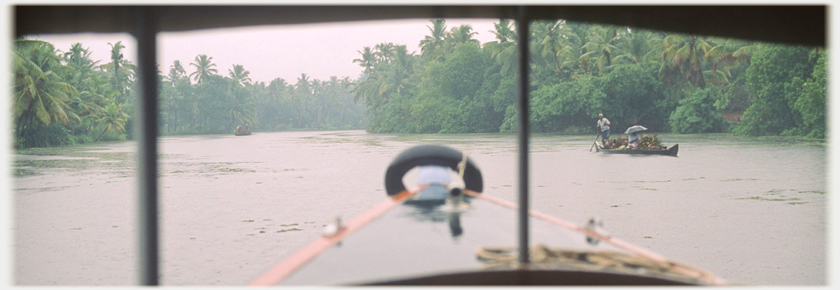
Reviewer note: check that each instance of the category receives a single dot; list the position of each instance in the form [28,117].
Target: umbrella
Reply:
[636,128]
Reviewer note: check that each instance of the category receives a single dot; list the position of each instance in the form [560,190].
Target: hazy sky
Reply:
[269,52]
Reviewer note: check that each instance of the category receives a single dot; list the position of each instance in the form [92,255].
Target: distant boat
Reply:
[242,131]
[672,151]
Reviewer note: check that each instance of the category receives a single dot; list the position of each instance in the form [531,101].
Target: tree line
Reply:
[67,98]
[667,82]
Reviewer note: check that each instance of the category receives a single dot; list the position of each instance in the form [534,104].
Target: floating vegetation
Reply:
[372,142]
[813,191]
[289,225]
[32,161]
[739,179]
[289,230]
[54,188]
[225,169]
[23,172]
[648,237]
[248,221]
[793,200]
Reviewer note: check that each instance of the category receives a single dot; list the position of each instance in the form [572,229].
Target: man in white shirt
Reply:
[604,128]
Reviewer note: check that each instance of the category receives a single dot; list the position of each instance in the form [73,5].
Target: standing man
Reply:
[604,128]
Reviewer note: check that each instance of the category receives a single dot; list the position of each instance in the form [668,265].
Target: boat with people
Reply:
[667,151]
[242,131]
[633,142]
[451,233]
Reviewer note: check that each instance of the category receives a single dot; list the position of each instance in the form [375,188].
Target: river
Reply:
[751,210]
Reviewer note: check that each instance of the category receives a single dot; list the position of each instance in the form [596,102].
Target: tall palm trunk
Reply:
[100,134]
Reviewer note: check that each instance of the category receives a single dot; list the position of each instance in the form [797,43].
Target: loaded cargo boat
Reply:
[668,151]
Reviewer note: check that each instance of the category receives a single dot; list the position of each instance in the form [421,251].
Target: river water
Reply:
[751,210]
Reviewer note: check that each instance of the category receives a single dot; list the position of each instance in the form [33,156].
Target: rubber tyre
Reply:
[430,154]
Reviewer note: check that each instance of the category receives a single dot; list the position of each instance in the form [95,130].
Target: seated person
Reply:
[633,140]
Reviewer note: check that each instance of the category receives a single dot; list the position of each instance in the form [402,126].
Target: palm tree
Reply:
[732,53]
[302,97]
[599,46]
[113,118]
[116,57]
[431,45]
[79,59]
[92,89]
[503,50]
[384,52]
[40,93]
[204,67]
[368,59]
[121,67]
[366,88]
[242,108]
[637,46]
[571,53]
[684,56]
[176,72]
[398,75]
[460,35]
[547,35]
[239,74]
[503,31]
[94,93]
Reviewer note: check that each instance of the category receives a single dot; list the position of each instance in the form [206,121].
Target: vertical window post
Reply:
[522,30]
[145,31]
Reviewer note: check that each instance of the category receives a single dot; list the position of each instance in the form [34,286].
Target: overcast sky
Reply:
[269,52]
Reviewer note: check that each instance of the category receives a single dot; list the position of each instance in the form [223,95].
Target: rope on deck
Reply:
[544,258]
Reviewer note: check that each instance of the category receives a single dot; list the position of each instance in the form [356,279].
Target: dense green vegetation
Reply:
[67,98]
[666,82]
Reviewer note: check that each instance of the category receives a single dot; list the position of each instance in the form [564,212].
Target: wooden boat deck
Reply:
[436,244]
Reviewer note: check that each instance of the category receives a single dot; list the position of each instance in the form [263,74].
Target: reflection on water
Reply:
[446,209]
[232,207]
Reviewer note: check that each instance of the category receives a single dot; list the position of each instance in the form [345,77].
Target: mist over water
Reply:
[752,211]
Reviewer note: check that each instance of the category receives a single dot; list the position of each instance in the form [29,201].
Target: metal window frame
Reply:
[802,24]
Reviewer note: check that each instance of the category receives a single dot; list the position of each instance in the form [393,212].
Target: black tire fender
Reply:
[430,154]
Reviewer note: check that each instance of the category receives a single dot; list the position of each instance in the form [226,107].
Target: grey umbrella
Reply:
[636,128]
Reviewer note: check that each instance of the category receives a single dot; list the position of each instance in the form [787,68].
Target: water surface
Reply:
[752,211]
